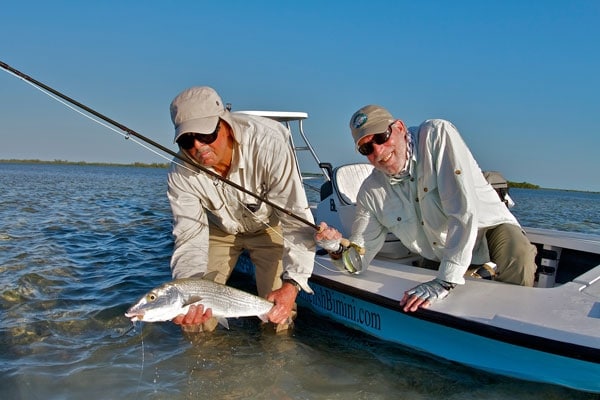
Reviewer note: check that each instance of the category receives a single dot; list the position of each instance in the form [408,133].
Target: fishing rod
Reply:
[151,142]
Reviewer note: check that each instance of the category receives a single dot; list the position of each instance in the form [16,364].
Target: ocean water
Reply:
[79,244]
[558,209]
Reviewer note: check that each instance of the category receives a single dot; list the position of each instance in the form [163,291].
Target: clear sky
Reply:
[519,78]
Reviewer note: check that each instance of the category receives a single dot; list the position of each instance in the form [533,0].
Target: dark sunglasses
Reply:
[186,141]
[379,138]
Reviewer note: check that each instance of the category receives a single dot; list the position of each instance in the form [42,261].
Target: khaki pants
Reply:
[264,247]
[266,251]
[513,254]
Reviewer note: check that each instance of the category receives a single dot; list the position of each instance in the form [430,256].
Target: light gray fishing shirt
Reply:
[263,163]
[440,210]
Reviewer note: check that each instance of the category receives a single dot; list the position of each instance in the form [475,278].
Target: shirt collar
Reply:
[407,171]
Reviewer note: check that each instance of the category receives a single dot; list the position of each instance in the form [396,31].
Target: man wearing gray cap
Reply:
[428,190]
[215,222]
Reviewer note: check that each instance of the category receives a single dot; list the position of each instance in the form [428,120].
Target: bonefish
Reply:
[165,302]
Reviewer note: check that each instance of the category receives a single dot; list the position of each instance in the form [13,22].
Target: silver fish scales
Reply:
[170,299]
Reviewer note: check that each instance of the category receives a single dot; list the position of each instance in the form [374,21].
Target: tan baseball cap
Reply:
[198,110]
[369,120]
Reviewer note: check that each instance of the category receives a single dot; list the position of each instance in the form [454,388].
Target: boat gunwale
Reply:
[547,345]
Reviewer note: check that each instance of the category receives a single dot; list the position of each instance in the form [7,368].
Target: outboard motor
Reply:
[500,184]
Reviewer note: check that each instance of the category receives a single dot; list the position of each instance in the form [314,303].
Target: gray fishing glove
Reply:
[331,245]
[433,291]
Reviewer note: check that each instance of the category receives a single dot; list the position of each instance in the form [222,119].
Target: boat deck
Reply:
[568,312]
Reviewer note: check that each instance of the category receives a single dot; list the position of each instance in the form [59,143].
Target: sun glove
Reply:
[331,245]
[432,291]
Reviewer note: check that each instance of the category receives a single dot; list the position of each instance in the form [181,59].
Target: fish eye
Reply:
[151,297]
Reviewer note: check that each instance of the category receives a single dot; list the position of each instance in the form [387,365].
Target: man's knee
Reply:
[515,255]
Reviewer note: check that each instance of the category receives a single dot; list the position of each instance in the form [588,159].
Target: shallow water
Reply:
[79,244]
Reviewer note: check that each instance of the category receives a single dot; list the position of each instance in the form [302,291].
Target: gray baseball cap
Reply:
[197,109]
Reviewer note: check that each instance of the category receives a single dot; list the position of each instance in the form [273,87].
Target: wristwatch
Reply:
[293,282]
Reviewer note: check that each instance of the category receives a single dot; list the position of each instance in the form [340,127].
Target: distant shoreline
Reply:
[519,185]
[64,162]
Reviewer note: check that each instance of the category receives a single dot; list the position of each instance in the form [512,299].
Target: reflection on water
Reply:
[79,244]
[557,209]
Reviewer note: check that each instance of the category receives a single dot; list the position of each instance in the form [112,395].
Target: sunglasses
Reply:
[379,138]
[187,140]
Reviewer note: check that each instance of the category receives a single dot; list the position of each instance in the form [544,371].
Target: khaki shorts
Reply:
[264,247]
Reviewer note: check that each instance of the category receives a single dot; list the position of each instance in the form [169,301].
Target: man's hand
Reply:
[284,299]
[328,238]
[193,320]
[425,294]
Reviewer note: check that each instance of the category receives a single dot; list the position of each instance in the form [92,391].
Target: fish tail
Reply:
[264,318]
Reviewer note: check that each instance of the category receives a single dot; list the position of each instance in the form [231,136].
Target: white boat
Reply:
[549,333]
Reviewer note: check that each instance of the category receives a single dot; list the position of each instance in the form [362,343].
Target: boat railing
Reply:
[298,140]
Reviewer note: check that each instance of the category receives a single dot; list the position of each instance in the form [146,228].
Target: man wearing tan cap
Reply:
[215,222]
[428,190]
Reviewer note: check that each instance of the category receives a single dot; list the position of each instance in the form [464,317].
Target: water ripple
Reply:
[79,244]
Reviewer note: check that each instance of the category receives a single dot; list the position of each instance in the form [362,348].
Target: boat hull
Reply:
[478,345]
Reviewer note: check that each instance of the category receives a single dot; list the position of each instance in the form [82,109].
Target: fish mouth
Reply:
[134,316]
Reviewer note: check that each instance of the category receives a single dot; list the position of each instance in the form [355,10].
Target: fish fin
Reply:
[192,300]
[211,276]
[223,321]
[290,321]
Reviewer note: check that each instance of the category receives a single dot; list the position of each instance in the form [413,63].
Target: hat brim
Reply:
[372,129]
[204,126]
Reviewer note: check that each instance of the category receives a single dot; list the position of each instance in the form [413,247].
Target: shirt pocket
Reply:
[213,203]
[396,217]
[427,188]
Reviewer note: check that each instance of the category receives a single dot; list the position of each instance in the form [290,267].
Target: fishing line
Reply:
[283,238]
[130,134]
[164,149]
[137,391]
[126,136]
[140,143]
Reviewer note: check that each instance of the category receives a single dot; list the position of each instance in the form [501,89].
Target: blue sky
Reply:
[519,79]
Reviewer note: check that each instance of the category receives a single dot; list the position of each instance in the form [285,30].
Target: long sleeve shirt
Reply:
[263,162]
[440,210]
